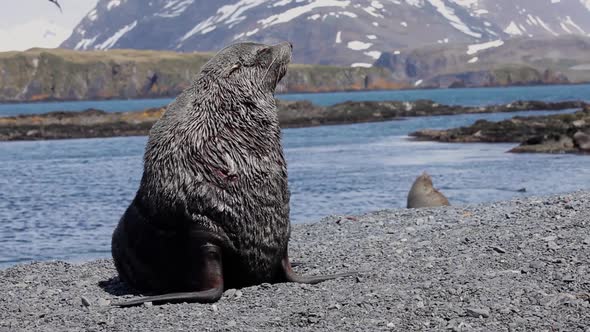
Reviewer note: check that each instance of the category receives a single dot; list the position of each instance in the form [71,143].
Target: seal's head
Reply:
[425,181]
[249,67]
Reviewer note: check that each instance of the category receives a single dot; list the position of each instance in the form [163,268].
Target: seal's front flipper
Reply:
[209,276]
[290,275]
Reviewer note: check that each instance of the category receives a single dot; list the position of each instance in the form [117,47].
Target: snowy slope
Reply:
[343,32]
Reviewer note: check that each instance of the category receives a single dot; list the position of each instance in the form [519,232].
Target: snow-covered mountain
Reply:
[343,32]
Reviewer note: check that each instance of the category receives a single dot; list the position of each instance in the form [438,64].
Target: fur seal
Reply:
[212,209]
[423,194]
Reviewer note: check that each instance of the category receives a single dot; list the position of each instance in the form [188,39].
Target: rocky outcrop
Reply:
[559,133]
[42,74]
[96,123]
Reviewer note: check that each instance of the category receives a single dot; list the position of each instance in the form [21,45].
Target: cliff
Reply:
[59,74]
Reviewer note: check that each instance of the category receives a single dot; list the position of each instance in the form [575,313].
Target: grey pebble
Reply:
[478,312]
[85,301]
[499,250]
[426,286]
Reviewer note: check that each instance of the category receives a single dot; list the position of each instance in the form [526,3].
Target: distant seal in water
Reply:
[423,194]
[212,209]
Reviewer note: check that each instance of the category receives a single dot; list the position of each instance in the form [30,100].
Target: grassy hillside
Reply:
[59,74]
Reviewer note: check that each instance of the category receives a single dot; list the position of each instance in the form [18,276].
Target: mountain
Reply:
[496,63]
[336,32]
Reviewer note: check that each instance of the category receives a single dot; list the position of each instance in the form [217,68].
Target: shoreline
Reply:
[519,264]
[94,123]
[278,95]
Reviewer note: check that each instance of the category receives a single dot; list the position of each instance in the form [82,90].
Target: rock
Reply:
[85,301]
[499,250]
[478,312]
[582,140]
[103,302]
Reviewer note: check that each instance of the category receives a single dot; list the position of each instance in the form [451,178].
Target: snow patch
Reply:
[569,21]
[92,15]
[372,37]
[361,65]
[339,37]
[373,54]
[174,8]
[110,42]
[453,19]
[546,27]
[512,29]
[473,49]
[85,43]
[295,12]
[281,3]
[358,45]
[418,83]
[377,4]
[404,24]
[113,3]
[473,60]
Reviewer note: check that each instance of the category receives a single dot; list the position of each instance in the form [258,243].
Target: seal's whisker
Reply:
[268,69]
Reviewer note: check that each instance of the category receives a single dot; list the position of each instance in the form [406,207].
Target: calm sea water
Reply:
[466,97]
[62,199]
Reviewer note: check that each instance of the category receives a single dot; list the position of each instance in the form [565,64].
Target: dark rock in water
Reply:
[582,140]
[522,190]
[97,123]
[558,133]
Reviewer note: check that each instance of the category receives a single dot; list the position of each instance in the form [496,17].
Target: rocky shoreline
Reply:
[520,265]
[558,133]
[97,123]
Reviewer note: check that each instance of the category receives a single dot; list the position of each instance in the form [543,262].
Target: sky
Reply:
[39,23]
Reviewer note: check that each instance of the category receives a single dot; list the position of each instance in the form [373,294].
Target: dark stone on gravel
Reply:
[436,280]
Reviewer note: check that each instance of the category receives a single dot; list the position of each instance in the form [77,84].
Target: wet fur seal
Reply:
[212,209]
[423,194]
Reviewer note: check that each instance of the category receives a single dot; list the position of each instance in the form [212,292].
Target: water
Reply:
[62,199]
[466,97]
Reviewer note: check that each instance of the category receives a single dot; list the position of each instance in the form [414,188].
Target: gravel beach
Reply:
[510,266]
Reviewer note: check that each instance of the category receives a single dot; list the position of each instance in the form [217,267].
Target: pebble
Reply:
[103,302]
[230,292]
[478,312]
[85,301]
[499,250]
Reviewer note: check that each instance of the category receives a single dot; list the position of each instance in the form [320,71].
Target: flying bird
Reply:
[57,4]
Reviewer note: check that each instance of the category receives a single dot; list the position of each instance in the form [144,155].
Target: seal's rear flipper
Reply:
[291,276]
[209,274]
[208,296]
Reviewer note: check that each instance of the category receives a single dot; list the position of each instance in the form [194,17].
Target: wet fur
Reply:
[214,174]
